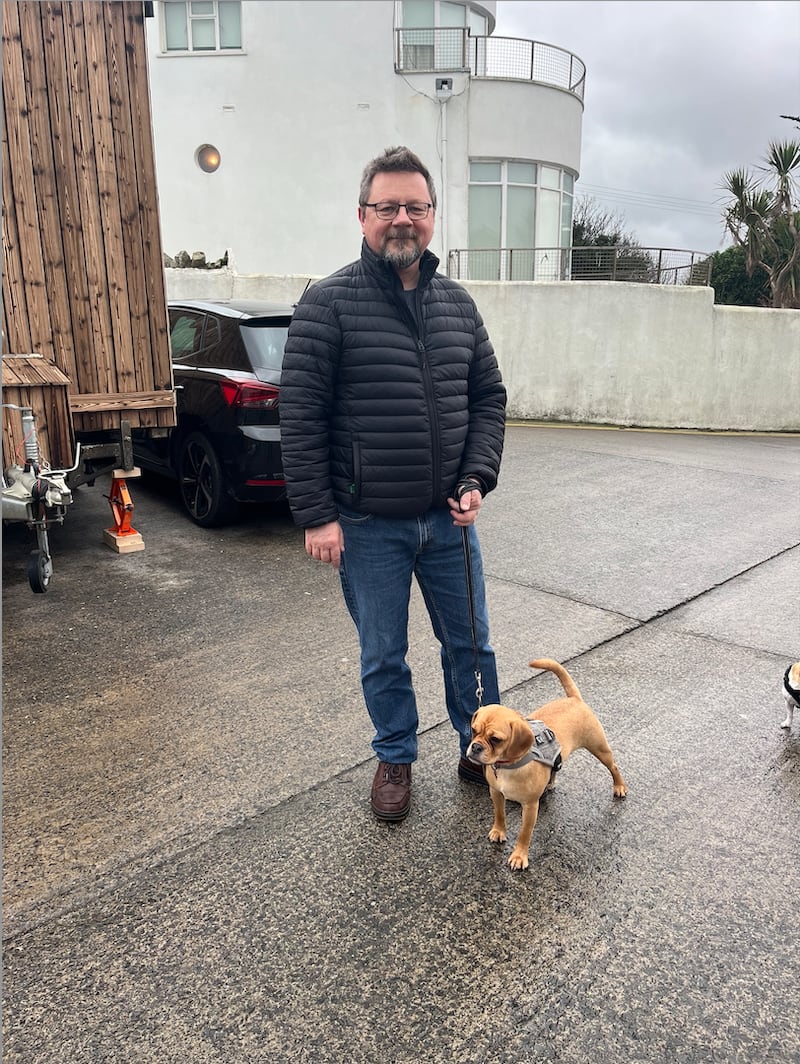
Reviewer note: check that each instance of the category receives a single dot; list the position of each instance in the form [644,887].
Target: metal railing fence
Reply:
[431,49]
[511,58]
[669,266]
[517,59]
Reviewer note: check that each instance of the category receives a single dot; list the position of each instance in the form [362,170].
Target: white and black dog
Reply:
[791,692]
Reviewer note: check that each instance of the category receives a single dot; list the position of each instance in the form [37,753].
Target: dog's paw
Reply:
[620,791]
[497,835]
[787,723]
[518,860]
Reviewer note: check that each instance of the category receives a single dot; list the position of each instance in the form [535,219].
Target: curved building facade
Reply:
[265,113]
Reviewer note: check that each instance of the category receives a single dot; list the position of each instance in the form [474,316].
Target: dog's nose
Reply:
[475,748]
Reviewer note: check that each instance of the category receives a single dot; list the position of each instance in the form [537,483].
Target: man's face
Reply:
[400,240]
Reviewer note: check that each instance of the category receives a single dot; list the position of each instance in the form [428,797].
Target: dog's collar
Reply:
[546,749]
[793,691]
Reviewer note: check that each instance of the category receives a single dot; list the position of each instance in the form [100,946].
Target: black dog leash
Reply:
[464,486]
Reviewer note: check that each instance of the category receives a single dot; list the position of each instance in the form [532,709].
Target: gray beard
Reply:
[401,257]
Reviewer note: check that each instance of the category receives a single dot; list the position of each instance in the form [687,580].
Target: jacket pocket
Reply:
[354,488]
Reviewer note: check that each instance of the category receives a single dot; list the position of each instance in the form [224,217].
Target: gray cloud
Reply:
[677,93]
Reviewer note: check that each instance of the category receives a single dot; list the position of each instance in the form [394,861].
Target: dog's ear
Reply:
[477,718]
[521,739]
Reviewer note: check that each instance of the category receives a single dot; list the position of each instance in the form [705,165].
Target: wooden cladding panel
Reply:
[62,231]
[31,381]
[24,286]
[137,269]
[146,189]
[83,277]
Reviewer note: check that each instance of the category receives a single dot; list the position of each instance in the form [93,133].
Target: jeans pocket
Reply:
[352,517]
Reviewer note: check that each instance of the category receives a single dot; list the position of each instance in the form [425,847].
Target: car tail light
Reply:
[251,396]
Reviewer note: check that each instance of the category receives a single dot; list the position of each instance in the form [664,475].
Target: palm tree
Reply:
[765,221]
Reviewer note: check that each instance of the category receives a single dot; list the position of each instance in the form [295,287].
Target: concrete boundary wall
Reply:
[602,352]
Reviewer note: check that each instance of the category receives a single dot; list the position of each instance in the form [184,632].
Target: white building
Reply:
[265,112]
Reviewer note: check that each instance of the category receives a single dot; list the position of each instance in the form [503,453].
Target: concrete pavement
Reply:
[191,869]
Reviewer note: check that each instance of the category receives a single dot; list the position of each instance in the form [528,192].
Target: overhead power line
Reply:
[646,199]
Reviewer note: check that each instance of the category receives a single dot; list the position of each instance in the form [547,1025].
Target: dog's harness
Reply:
[546,749]
[793,692]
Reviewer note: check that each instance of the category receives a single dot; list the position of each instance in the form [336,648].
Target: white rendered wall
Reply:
[297,117]
[504,114]
[601,352]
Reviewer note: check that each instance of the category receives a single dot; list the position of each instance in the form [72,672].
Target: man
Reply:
[392,427]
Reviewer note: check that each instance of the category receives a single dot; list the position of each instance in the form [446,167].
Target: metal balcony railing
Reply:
[509,58]
[641,265]
[431,50]
[516,59]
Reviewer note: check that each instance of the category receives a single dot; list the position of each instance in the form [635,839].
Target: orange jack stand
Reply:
[122,537]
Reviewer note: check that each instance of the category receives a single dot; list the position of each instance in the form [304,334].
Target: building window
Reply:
[432,34]
[443,13]
[520,217]
[202,25]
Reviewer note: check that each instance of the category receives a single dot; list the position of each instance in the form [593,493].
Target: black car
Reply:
[225,448]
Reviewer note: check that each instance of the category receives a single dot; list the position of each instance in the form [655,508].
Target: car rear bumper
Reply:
[256,473]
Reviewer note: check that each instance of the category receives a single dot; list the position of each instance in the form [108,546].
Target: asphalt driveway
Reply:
[191,869]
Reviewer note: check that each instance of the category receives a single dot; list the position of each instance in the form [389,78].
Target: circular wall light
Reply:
[207,158]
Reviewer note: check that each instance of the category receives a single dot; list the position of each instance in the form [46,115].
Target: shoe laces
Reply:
[394,773]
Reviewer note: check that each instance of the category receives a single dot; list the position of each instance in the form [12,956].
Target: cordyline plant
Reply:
[764,219]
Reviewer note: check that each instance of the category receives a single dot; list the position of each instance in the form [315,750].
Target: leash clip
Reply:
[479,687]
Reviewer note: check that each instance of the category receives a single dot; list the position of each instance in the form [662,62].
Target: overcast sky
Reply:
[677,93]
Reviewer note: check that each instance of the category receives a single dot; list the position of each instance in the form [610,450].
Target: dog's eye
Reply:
[493,740]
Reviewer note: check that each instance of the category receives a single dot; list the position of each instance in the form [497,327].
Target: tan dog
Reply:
[791,692]
[504,742]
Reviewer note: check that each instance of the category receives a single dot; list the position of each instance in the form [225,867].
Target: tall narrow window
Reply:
[520,218]
[202,25]
[485,221]
[478,24]
[418,35]
[567,200]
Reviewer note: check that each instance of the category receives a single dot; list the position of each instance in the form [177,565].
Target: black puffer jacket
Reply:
[376,417]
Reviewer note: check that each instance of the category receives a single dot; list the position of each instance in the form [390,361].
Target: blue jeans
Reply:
[381,556]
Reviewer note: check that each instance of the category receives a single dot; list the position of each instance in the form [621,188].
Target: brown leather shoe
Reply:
[391,791]
[468,770]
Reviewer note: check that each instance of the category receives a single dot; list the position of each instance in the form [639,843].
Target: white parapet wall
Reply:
[604,352]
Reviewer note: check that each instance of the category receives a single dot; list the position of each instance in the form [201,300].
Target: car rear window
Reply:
[265,340]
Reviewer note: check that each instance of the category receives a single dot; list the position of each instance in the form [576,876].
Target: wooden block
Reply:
[123,543]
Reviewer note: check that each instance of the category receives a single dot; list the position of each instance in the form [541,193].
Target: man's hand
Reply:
[465,510]
[325,543]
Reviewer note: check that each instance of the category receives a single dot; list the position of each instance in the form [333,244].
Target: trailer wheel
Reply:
[202,483]
[40,570]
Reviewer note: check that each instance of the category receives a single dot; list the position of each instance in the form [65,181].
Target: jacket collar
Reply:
[387,274]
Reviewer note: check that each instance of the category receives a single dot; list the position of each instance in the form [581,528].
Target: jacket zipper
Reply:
[427,384]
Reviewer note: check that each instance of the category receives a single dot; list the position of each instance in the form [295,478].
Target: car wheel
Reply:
[202,484]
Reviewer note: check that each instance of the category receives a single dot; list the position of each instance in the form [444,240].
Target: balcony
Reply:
[633,264]
[498,58]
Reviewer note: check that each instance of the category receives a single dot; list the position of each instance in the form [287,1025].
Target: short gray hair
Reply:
[393,161]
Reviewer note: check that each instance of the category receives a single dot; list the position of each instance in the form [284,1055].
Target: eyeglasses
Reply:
[387,211]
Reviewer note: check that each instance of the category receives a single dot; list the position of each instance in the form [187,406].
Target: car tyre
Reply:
[202,484]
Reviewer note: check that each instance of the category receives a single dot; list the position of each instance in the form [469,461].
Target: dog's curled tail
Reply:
[569,685]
